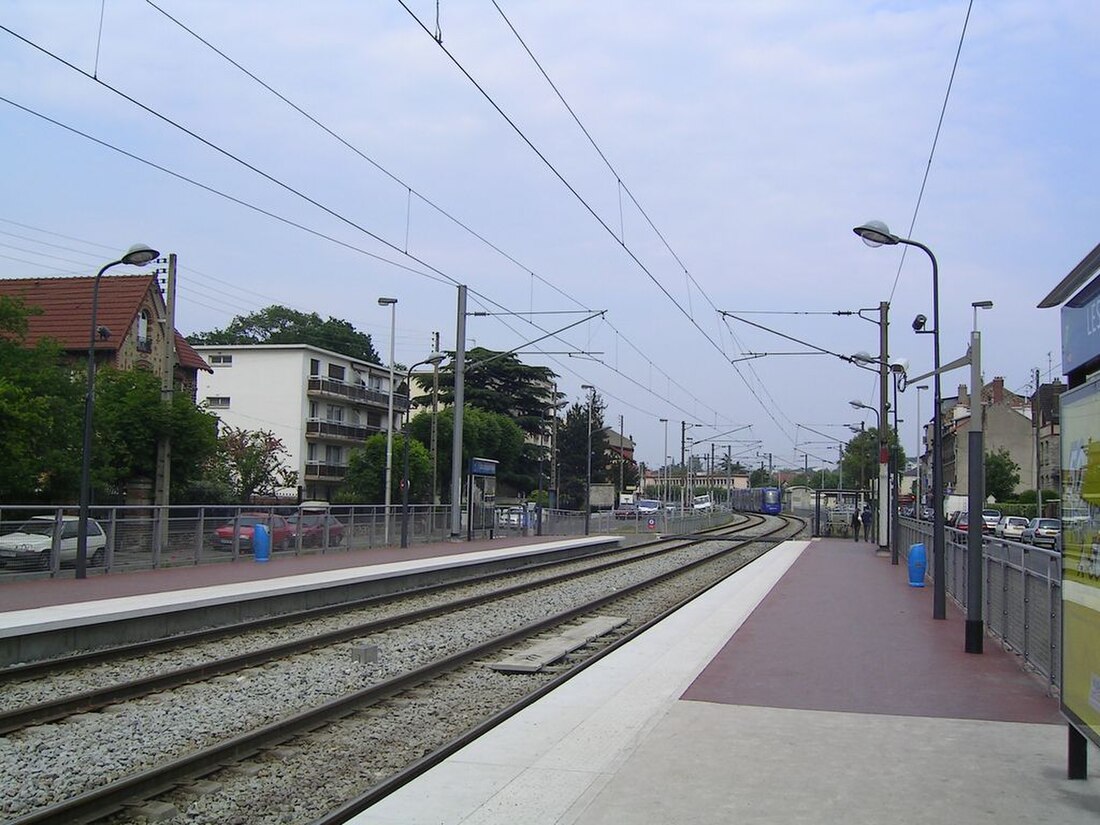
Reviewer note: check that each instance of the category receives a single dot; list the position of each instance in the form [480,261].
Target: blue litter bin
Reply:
[918,565]
[261,543]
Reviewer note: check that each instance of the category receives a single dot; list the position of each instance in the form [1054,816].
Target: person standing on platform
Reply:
[865,517]
[855,525]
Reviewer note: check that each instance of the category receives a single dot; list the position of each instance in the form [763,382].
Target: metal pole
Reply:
[167,385]
[588,474]
[1038,474]
[435,428]
[975,631]
[460,399]
[388,476]
[86,458]
[883,443]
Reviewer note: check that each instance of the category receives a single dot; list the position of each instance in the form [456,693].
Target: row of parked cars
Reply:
[28,546]
[1040,532]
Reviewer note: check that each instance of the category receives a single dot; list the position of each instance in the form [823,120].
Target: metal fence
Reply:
[1021,591]
[128,538]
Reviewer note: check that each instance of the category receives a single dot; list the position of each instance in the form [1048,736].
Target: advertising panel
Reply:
[1080,421]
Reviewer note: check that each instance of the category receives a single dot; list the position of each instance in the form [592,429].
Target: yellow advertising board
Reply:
[1080,431]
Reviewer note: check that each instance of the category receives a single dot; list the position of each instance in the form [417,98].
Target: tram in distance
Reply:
[758,500]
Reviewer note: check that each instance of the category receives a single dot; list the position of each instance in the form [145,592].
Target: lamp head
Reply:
[435,359]
[385,302]
[899,365]
[139,255]
[922,386]
[982,305]
[864,357]
[919,322]
[876,233]
[857,404]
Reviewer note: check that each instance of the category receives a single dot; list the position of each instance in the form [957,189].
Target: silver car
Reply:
[1043,532]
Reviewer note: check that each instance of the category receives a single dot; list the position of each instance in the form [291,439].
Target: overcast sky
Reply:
[733,147]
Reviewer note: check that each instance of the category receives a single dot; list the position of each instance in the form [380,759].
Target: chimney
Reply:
[998,390]
[964,396]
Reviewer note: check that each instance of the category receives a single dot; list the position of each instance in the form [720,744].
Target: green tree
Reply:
[41,414]
[860,460]
[130,419]
[502,384]
[367,469]
[1002,474]
[573,453]
[280,325]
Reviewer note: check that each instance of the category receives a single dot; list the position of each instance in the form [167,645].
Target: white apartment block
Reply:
[320,403]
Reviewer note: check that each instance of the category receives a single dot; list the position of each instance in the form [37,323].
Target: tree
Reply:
[280,325]
[41,412]
[1002,474]
[251,460]
[573,456]
[367,469]
[860,460]
[501,384]
[759,477]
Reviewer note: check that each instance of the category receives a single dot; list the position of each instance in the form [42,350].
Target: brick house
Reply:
[130,306]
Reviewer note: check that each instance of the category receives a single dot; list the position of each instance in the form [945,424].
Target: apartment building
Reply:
[320,403]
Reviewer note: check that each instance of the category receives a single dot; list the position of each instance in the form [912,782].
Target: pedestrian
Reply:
[855,524]
[865,517]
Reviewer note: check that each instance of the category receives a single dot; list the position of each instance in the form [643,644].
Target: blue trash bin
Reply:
[918,565]
[261,543]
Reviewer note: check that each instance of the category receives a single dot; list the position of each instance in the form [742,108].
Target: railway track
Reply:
[290,739]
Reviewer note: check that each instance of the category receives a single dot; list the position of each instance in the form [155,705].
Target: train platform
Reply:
[44,618]
[814,688]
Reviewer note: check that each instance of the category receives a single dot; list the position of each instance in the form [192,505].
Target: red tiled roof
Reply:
[66,316]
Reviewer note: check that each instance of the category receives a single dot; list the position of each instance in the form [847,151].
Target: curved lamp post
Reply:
[137,255]
[434,359]
[877,233]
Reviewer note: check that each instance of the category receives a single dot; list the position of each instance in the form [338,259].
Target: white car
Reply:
[1010,527]
[29,545]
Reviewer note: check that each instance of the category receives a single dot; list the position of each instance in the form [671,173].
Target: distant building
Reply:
[130,307]
[320,403]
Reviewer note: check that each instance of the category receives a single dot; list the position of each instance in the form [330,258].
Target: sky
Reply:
[690,170]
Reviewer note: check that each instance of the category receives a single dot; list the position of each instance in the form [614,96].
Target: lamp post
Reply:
[920,453]
[898,369]
[588,470]
[136,255]
[975,630]
[859,405]
[434,359]
[665,486]
[876,233]
[388,476]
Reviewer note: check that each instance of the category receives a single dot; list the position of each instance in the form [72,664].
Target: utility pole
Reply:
[435,425]
[167,385]
[622,457]
[683,466]
[1038,433]
[460,399]
[883,423]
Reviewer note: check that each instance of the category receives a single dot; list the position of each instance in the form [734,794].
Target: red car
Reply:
[281,534]
[313,525]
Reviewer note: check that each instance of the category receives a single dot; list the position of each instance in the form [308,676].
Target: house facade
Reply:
[321,404]
[130,314]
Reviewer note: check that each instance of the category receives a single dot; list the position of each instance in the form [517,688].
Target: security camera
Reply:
[103,332]
[918,323]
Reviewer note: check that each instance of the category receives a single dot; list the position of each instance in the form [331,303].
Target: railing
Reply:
[143,538]
[330,386]
[144,344]
[1021,591]
[319,471]
[336,429]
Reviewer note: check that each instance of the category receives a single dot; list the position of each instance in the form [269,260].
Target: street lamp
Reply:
[588,471]
[975,630]
[392,304]
[137,255]
[877,233]
[434,359]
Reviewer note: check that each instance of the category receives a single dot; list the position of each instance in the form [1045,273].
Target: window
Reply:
[335,372]
[334,413]
[221,360]
[314,366]
[217,402]
[311,452]
[312,409]
[333,454]
[144,342]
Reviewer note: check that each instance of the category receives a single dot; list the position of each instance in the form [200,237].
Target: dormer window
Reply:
[144,342]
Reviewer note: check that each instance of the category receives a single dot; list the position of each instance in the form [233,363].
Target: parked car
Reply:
[989,520]
[1043,532]
[627,511]
[277,527]
[29,545]
[312,525]
[1010,527]
[648,507]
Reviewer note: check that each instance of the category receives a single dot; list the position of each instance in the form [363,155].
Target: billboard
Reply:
[1080,422]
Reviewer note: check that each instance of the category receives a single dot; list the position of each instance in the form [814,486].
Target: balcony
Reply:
[332,388]
[325,472]
[336,430]
[144,344]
